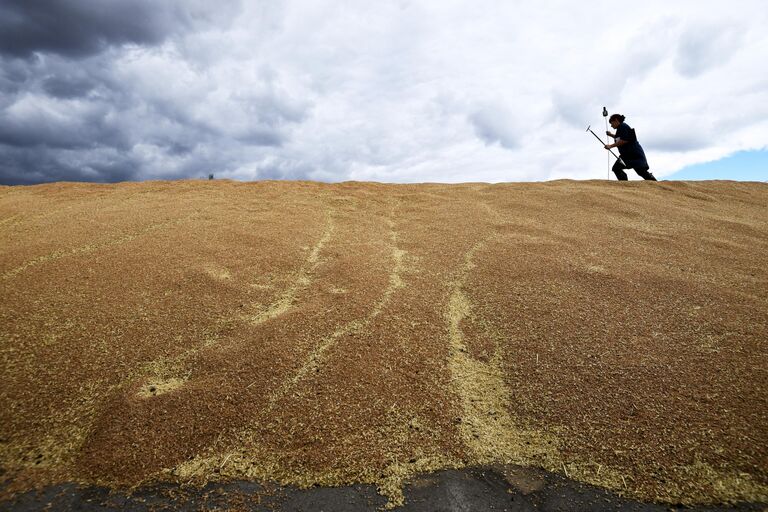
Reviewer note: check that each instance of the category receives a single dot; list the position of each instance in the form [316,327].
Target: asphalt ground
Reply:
[499,488]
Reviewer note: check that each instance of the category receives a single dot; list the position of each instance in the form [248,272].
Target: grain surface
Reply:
[332,334]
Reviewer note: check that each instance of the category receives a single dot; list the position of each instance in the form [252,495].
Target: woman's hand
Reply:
[608,146]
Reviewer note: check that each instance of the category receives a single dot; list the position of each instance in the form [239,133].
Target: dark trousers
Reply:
[640,166]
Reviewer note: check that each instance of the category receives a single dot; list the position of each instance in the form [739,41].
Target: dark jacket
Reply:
[633,150]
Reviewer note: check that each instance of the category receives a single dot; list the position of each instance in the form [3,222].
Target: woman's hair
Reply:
[618,117]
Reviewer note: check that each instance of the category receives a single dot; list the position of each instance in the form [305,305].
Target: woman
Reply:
[629,149]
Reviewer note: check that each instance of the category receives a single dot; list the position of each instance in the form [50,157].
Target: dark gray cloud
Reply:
[21,166]
[163,137]
[67,87]
[79,28]
[13,75]
[76,127]
[77,104]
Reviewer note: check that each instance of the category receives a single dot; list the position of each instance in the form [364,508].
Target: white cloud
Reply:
[704,46]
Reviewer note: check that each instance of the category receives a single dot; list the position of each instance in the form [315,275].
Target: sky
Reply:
[390,91]
[742,166]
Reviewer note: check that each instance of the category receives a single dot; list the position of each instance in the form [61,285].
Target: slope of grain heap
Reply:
[309,333]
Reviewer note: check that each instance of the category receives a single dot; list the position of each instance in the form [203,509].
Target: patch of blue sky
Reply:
[740,166]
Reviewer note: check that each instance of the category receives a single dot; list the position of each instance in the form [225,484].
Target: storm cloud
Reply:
[406,91]
[81,28]
[77,29]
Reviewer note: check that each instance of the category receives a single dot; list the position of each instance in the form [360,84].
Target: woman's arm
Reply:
[616,144]
[623,134]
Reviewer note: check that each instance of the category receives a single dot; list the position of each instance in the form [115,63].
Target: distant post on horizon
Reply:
[210,176]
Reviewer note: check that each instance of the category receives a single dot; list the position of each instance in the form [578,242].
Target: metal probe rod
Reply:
[589,129]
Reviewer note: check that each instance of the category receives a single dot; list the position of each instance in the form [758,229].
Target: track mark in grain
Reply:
[395,280]
[62,439]
[487,428]
[172,369]
[9,219]
[302,281]
[255,463]
[15,220]
[85,249]
[157,377]
[276,308]
[312,362]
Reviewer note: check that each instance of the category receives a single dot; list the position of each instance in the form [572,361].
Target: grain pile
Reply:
[309,333]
